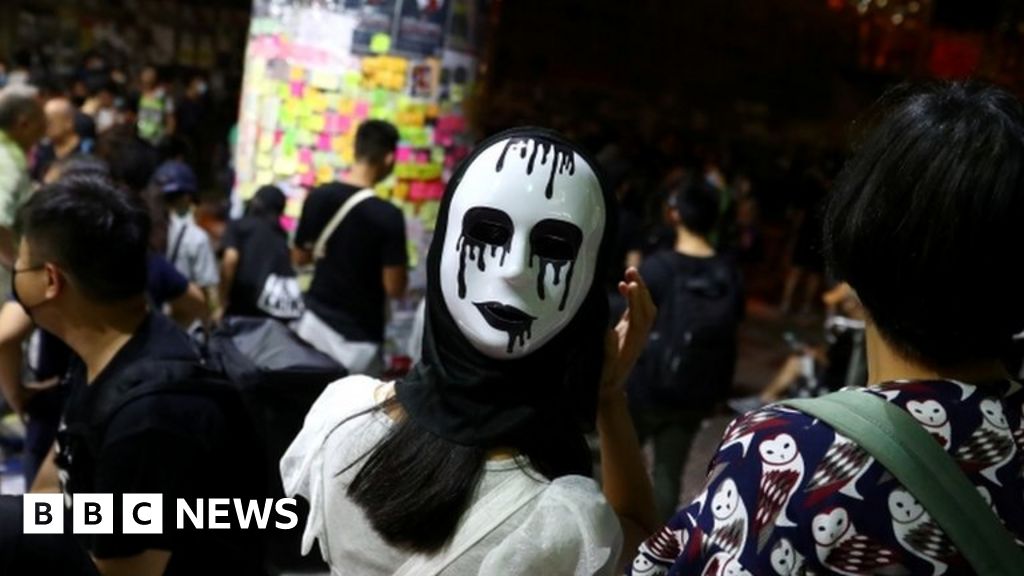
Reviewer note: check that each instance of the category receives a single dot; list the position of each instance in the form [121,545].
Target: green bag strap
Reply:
[925,469]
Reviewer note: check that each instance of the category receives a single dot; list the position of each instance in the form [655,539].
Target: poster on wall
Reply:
[375,21]
[421,27]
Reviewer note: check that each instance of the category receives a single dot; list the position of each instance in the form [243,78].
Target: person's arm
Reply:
[312,221]
[623,473]
[15,327]
[396,279]
[228,268]
[8,250]
[189,306]
[301,256]
[395,255]
[47,481]
[148,563]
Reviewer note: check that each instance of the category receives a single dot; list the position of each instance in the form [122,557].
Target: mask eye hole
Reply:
[488,226]
[556,240]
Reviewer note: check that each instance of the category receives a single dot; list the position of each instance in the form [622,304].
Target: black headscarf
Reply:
[545,399]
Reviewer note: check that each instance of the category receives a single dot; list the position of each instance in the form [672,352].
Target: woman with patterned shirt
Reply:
[924,225]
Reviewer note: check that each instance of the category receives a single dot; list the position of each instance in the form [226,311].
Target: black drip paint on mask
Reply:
[557,266]
[564,158]
[475,247]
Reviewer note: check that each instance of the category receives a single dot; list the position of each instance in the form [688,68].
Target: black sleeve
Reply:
[312,220]
[156,445]
[231,237]
[394,251]
[655,274]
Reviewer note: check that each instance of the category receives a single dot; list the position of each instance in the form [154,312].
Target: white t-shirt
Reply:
[569,529]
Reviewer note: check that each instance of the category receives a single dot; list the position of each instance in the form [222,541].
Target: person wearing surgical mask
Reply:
[476,462]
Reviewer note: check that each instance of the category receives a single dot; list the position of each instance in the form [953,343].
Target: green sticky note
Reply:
[288,143]
[380,43]
[437,155]
[351,80]
[380,97]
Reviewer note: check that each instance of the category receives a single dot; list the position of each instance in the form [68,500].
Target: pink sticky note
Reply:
[435,191]
[416,191]
[305,156]
[323,141]
[403,155]
[298,88]
[362,109]
[278,136]
[307,179]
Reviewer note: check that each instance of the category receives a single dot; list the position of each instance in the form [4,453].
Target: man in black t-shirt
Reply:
[688,364]
[364,261]
[81,274]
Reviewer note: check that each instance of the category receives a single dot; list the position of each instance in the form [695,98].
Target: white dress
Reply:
[569,529]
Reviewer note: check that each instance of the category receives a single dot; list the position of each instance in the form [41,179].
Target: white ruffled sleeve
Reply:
[572,530]
[303,462]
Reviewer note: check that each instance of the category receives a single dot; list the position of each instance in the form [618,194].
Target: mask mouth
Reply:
[504,317]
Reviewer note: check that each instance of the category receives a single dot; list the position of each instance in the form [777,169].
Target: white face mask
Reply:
[520,249]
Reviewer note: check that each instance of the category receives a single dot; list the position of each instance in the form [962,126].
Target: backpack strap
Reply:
[924,468]
[482,518]
[320,248]
[173,256]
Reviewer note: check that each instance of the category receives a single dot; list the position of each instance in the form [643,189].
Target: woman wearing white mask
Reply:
[476,462]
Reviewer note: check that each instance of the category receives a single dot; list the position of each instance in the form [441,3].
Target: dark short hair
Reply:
[925,219]
[95,231]
[697,205]
[375,139]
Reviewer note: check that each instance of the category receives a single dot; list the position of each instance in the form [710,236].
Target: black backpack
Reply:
[691,353]
[280,377]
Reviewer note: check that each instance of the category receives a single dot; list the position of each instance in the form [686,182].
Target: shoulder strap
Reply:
[480,520]
[320,248]
[931,475]
[177,244]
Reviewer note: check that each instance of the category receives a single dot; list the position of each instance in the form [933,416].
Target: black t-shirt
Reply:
[348,289]
[658,272]
[180,445]
[262,247]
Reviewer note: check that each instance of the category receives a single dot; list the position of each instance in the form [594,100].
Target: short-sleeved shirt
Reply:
[348,287]
[262,247]
[178,445]
[568,529]
[786,494]
[189,250]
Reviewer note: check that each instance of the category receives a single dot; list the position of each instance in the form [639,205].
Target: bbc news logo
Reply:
[144,514]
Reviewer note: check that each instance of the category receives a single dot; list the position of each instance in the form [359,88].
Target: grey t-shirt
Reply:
[568,529]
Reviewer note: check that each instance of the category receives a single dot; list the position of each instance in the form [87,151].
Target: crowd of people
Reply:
[555,307]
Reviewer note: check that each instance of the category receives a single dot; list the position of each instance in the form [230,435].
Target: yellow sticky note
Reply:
[264,177]
[380,43]
[324,174]
[314,123]
[264,161]
[346,107]
[293,208]
[286,165]
[325,80]
[296,74]
[265,142]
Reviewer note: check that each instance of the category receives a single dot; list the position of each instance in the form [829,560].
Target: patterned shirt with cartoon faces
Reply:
[787,495]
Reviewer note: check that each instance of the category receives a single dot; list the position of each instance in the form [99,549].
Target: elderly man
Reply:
[61,138]
[22,124]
